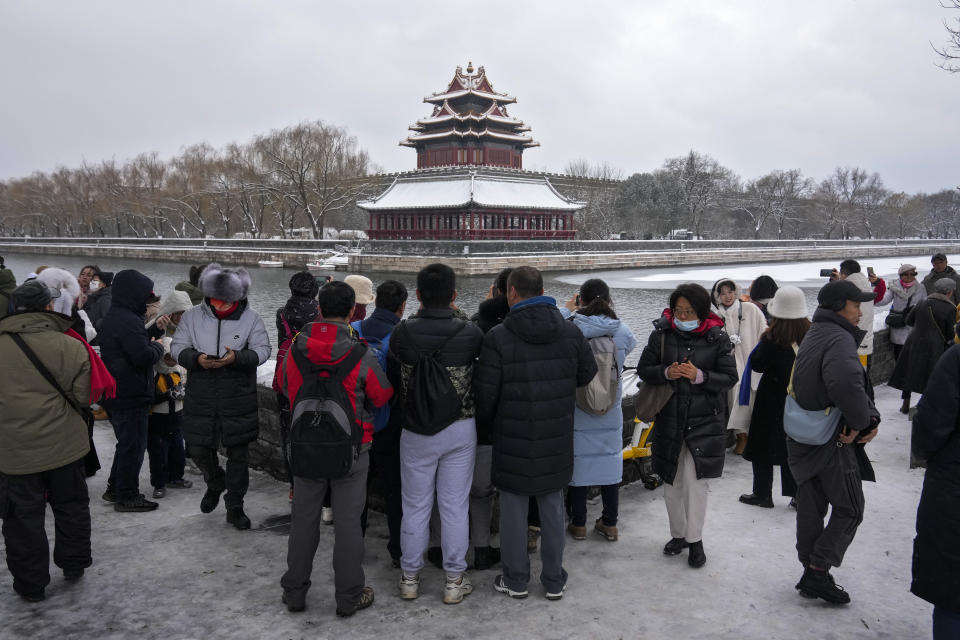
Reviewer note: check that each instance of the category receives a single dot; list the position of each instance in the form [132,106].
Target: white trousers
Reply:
[686,500]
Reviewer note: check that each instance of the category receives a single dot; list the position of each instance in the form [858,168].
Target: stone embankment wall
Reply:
[480,257]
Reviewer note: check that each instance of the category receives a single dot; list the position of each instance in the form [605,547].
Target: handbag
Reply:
[651,398]
[898,319]
[811,427]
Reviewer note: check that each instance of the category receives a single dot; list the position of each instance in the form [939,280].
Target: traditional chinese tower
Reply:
[469,184]
[469,125]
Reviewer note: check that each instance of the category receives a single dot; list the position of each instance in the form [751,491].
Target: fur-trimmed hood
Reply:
[225,284]
[67,283]
[715,291]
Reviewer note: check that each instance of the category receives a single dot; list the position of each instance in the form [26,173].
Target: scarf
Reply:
[101,382]
[226,312]
[712,320]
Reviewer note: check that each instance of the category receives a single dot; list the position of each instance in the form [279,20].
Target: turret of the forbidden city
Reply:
[469,183]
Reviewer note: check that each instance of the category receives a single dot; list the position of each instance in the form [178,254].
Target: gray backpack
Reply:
[599,396]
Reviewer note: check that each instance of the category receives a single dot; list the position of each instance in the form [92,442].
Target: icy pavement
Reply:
[176,573]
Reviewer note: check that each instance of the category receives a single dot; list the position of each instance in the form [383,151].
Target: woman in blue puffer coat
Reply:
[598,439]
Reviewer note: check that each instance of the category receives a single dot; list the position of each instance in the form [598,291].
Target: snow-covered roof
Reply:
[452,95]
[440,192]
[436,135]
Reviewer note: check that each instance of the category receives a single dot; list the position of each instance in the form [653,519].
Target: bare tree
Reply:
[693,185]
[950,52]
[595,184]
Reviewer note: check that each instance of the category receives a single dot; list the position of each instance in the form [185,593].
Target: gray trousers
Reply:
[686,500]
[513,540]
[481,497]
[348,496]
[837,486]
[440,465]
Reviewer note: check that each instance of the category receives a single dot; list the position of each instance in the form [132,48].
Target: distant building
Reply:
[469,183]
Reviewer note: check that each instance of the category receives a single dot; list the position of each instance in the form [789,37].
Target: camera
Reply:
[826,273]
[735,338]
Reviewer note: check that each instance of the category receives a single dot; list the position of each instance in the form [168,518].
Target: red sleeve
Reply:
[376,386]
[879,290]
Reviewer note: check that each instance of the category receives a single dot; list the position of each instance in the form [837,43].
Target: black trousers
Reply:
[23,506]
[839,487]
[763,480]
[385,455]
[235,480]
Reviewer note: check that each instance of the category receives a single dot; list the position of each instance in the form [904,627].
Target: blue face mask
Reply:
[686,325]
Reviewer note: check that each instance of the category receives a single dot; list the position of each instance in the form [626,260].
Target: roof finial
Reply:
[469,67]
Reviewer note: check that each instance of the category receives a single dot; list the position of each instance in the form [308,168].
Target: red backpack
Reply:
[282,354]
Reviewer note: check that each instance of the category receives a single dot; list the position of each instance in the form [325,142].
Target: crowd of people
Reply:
[520,401]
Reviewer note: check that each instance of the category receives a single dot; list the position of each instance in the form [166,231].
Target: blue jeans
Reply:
[130,427]
[946,624]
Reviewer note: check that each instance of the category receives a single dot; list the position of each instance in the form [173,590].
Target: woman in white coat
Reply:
[744,323]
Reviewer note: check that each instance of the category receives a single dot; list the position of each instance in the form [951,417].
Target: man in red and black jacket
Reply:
[330,342]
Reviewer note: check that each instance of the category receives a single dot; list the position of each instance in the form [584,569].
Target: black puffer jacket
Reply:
[125,346]
[696,413]
[429,330]
[932,321]
[97,306]
[526,382]
[828,373]
[936,549]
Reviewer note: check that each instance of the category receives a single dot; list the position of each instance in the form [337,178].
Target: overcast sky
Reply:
[759,85]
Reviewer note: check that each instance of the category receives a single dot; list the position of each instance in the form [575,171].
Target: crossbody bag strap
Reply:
[934,321]
[27,351]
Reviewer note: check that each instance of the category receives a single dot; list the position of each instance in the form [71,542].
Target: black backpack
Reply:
[431,402]
[325,435]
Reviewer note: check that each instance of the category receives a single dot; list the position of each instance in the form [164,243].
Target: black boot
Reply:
[485,557]
[697,557]
[757,501]
[238,518]
[210,500]
[818,583]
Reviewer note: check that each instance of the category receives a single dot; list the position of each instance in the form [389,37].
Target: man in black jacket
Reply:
[828,373]
[526,381]
[129,354]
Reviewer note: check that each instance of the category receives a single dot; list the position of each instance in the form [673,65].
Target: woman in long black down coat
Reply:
[932,321]
[936,549]
[773,357]
[689,433]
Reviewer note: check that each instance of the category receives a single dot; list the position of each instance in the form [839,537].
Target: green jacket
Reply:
[39,431]
[7,284]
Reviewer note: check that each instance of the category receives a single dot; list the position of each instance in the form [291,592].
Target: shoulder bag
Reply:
[816,427]
[651,398]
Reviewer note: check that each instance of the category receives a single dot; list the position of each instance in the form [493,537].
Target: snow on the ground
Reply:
[177,573]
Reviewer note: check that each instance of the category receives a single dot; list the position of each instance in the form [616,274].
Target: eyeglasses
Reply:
[910,273]
[684,312]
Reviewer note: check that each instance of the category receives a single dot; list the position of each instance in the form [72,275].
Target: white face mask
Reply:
[94,285]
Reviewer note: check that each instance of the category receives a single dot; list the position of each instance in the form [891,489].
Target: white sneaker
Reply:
[326,515]
[454,590]
[558,595]
[409,586]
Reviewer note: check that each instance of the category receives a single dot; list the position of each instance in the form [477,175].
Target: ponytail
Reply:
[595,299]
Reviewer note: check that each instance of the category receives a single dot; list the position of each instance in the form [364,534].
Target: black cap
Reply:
[33,295]
[834,295]
[939,256]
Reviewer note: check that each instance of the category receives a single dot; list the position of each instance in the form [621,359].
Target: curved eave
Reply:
[453,95]
[475,118]
[440,135]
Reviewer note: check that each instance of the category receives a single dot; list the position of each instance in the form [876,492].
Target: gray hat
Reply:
[945,285]
[33,295]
